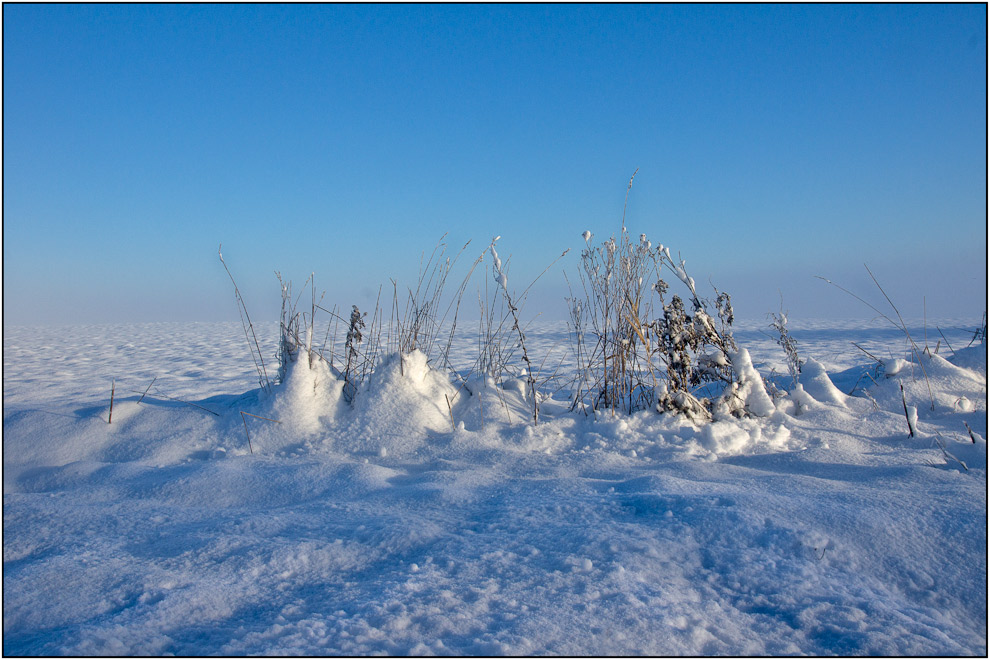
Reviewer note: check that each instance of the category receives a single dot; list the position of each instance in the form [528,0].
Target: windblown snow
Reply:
[421,516]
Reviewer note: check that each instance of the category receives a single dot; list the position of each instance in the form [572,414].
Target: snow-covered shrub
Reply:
[399,403]
[650,351]
[638,349]
[744,395]
[307,394]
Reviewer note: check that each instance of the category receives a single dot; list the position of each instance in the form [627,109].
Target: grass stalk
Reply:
[907,415]
[450,411]
[503,283]
[945,452]
[113,384]
[148,388]
[259,361]
[897,324]
[244,419]
[972,436]
[172,398]
[946,339]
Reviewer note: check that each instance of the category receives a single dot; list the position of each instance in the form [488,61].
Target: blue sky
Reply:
[774,143]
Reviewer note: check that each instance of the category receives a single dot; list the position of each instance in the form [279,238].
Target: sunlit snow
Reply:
[433,518]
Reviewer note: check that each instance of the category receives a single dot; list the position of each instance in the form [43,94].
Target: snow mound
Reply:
[307,398]
[403,402]
[815,382]
[748,392]
[973,358]
[736,437]
[933,380]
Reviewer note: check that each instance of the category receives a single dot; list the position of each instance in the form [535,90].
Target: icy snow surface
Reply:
[407,525]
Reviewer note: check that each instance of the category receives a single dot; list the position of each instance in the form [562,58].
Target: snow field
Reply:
[380,529]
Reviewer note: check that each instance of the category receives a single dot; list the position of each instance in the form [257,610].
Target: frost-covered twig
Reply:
[626,202]
[354,337]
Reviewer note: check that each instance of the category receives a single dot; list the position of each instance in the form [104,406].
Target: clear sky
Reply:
[774,143]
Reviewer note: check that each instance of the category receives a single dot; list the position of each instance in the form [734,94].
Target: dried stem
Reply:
[113,384]
[172,398]
[244,419]
[148,388]
[259,361]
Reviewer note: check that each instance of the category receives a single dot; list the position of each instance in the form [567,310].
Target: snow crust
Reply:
[430,517]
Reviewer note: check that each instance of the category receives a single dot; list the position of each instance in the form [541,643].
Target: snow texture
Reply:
[433,518]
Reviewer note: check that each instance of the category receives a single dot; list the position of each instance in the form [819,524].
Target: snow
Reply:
[433,518]
[749,390]
[815,382]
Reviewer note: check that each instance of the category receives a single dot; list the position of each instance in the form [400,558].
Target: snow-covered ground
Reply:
[401,526]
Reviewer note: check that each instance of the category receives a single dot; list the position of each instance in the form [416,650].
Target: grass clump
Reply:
[640,347]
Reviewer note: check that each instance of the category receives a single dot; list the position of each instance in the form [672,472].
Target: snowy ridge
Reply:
[430,517]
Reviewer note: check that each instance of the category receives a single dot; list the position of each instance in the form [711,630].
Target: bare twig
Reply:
[172,398]
[868,353]
[946,453]
[113,384]
[503,283]
[259,361]
[907,415]
[972,436]
[149,387]
[451,413]
[946,340]
[897,324]
[980,333]
[244,419]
